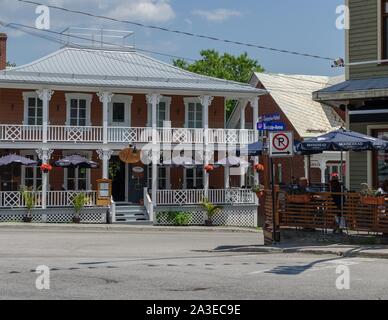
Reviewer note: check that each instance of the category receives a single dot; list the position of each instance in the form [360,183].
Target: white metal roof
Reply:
[293,95]
[119,69]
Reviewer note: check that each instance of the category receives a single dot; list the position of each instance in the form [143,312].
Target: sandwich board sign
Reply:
[281,144]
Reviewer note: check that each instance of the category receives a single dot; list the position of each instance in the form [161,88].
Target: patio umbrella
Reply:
[232,161]
[16,159]
[341,140]
[76,161]
[182,161]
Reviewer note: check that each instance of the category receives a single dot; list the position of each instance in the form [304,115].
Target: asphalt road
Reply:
[173,265]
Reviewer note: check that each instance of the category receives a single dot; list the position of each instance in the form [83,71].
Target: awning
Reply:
[354,89]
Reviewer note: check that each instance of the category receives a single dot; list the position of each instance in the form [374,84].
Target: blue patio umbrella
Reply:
[254,149]
[341,140]
[16,159]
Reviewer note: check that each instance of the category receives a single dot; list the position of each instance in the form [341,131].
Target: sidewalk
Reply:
[120,228]
[371,251]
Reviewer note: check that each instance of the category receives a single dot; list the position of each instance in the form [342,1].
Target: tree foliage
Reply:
[224,66]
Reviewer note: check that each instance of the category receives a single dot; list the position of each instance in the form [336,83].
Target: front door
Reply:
[117,172]
[136,183]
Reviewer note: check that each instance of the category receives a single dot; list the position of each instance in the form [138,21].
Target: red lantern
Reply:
[209,168]
[46,168]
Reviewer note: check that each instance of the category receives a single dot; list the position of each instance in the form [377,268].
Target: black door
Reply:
[117,174]
[136,184]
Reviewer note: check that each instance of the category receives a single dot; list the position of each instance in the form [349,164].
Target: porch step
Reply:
[131,214]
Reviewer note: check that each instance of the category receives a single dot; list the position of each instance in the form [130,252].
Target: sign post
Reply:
[281,145]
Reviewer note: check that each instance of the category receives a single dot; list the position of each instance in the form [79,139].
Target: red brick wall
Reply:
[3,51]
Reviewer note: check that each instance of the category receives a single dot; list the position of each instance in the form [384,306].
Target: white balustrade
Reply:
[55,199]
[195,197]
[75,134]
[9,132]
[89,134]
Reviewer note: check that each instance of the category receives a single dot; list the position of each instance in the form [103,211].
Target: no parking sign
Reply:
[281,144]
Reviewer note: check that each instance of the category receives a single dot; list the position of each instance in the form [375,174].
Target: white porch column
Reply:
[322,166]
[255,106]
[206,101]
[44,155]
[45,95]
[105,156]
[306,167]
[105,99]
[242,127]
[154,100]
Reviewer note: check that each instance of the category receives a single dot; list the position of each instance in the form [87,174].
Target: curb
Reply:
[120,228]
[274,250]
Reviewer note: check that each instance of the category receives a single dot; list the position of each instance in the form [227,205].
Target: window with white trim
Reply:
[120,111]
[78,109]
[31,177]
[193,178]
[162,178]
[194,114]
[33,109]
[77,179]
[163,113]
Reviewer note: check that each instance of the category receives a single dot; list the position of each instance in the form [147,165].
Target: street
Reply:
[173,265]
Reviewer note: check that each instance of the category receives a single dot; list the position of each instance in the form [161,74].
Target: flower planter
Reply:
[76,220]
[298,198]
[27,219]
[260,194]
[373,201]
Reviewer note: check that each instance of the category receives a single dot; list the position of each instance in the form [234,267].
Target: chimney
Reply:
[3,51]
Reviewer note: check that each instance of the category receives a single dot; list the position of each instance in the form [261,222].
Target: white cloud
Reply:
[217,15]
[144,10]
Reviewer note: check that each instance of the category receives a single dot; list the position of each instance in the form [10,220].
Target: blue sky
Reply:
[297,25]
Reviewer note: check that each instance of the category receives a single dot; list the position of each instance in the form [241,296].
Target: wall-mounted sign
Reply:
[138,169]
[271,126]
[104,192]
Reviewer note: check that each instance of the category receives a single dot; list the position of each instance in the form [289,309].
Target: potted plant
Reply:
[259,190]
[298,196]
[28,197]
[211,211]
[79,202]
[371,197]
[46,168]
[209,168]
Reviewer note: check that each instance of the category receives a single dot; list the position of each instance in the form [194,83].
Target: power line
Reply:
[138,24]
[19,27]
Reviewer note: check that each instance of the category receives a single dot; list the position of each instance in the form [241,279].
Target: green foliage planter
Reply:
[79,203]
[29,202]
[179,219]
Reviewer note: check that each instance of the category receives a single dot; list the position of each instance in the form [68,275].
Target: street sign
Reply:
[270,117]
[281,144]
[271,126]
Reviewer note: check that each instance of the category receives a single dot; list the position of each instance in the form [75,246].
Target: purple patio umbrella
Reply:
[16,159]
[13,159]
[76,161]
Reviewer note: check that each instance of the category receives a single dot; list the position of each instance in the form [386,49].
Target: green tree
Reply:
[226,66]
[11,65]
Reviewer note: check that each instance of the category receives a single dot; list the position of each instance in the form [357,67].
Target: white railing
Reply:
[66,198]
[195,197]
[89,134]
[75,134]
[55,199]
[9,132]
[148,205]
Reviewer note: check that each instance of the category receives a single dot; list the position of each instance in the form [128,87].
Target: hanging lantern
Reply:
[130,155]
[209,168]
[46,168]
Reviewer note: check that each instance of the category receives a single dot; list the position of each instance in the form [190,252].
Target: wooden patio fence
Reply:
[321,210]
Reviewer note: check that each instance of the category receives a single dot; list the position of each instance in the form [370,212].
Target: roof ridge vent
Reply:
[93,38]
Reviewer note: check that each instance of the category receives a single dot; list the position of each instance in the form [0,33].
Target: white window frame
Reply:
[127,101]
[167,122]
[196,178]
[78,96]
[35,169]
[26,96]
[149,177]
[87,155]
[188,101]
